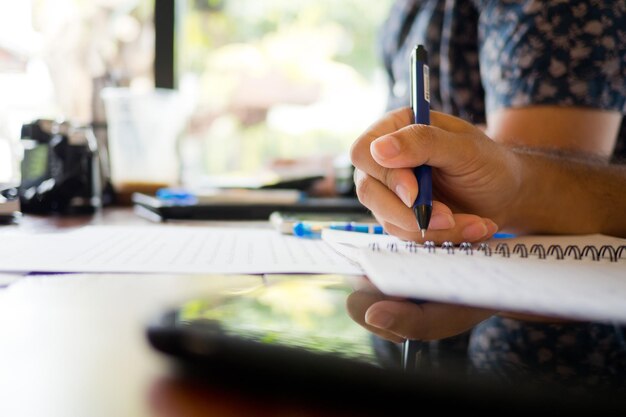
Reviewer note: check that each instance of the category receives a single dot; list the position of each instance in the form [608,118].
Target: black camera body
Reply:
[60,169]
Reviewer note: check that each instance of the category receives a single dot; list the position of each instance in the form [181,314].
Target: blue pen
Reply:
[423,204]
[314,229]
[420,103]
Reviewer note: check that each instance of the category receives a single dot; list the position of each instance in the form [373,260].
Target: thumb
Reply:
[417,144]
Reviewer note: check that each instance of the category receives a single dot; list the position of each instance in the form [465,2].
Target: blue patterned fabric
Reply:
[576,355]
[487,55]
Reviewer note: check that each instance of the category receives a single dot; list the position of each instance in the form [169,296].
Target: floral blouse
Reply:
[485,55]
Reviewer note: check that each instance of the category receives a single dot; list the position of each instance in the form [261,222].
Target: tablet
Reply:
[292,338]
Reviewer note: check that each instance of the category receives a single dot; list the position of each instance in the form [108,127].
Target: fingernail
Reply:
[442,221]
[405,196]
[475,231]
[492,227]
[385,147]
[379,318]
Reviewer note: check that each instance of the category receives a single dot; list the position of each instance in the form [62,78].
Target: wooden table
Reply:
[74,345]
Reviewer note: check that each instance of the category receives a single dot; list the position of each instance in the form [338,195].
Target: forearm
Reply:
[562,195]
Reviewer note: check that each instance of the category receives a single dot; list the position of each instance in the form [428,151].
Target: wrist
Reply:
[560,195]
[524,213]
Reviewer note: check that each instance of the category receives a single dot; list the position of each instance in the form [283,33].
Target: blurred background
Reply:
[260,84]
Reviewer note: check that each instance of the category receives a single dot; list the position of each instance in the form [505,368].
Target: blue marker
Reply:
[420,103]
[314,229]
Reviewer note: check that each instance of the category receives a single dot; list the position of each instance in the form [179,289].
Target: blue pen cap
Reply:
[302,229]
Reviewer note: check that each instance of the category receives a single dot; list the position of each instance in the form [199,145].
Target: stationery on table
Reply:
[287,221]
[577,277]
[164,249]
[237,204]
[314,229]
[243,196]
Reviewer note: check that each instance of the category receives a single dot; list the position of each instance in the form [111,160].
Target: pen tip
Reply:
[423,233]
[422,215]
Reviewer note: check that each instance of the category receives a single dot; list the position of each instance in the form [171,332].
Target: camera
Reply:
[60,168]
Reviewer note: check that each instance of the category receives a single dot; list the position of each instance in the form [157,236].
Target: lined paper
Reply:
[165,249]
[581,289]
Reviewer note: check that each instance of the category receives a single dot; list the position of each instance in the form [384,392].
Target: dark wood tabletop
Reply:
[75,345]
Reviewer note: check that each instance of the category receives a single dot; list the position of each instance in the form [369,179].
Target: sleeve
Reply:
[535,52]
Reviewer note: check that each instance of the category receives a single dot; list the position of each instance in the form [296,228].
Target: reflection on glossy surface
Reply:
[306,312]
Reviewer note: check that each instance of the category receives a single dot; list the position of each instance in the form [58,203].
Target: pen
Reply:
[423,204]
[420,103]
[412,349]
[314,229]
[411,352]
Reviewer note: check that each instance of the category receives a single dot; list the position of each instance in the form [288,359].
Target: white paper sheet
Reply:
[574,288]
[170,249]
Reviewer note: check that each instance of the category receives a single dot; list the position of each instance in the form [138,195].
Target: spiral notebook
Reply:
[578,277]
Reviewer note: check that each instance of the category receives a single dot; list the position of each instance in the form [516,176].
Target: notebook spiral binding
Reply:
[608,252]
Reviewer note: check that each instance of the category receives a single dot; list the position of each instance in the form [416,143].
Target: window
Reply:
[270,81]
[55,53]
[277,79]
